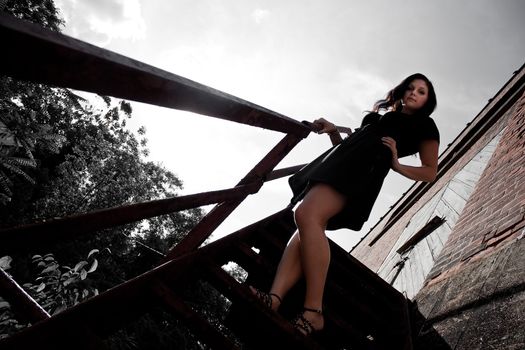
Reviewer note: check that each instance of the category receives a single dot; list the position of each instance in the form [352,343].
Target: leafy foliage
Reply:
[62,154]
[43,12]
[58,287]
[53,286]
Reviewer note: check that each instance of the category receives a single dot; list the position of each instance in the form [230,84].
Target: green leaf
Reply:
[50,268]
[59,309]
[5,262]
[92,252]
[94,266]
[4,305]
[80,265]
[41,287]
[85,293]
[83,274]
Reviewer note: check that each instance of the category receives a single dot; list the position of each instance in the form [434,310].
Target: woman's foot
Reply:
[271,300]
[309,321]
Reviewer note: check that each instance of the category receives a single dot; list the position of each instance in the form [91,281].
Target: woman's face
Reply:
[415,96]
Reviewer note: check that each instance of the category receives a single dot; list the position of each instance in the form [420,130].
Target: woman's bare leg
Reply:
[320,204]
[308,252]
[289,270]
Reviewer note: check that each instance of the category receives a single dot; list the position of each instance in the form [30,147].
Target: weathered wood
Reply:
[422,233]
[448,203]
[73,226]
[34,53]
[22,302]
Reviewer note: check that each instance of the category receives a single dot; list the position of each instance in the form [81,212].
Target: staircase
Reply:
[361,310]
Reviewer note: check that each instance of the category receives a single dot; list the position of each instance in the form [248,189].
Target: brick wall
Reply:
[495,211]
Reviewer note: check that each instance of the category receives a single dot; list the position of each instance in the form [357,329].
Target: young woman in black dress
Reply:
[338,188]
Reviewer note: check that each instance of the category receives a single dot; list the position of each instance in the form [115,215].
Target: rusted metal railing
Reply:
[67,62]
[33,53]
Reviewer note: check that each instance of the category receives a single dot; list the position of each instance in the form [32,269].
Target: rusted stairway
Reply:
[361,310]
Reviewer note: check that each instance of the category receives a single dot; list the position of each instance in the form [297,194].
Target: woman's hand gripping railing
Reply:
[323,126]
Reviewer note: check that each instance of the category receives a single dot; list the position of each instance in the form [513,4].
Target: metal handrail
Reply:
[31,52]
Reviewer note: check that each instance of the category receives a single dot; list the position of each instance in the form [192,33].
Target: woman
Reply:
[339,187]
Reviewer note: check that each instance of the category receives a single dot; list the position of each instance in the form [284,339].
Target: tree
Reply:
[74,157]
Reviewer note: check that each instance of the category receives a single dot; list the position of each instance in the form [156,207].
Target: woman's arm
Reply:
[428,153]
[326,127]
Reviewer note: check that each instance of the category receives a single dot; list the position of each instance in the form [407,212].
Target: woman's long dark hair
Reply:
[395,95]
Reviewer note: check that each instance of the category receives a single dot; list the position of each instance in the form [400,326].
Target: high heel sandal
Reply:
[303,325]
[266,298]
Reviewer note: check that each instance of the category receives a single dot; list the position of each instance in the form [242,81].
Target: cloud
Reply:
[259,15]
[99,22]
[358,89]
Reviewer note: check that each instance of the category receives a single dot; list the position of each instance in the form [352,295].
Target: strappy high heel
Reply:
[303,325]
[266,298]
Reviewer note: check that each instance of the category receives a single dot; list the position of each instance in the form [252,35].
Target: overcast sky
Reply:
[304,59]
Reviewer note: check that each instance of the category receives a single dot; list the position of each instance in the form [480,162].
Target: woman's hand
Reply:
[324,126]
[391,144]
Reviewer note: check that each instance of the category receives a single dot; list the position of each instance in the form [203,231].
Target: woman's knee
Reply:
[319,205]
[306,216]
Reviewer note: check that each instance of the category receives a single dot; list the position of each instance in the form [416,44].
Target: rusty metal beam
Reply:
[31,52]
[218,214]
[20,300]
[108,311]
[73,226]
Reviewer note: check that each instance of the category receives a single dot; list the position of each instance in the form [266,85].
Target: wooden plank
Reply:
[460,188]
[31,52]
[409,271]
[442,234]
[427,229]
[445,210]
[71,227]
[453,201]
[421,264]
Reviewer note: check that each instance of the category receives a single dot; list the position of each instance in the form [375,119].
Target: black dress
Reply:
[358,165]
